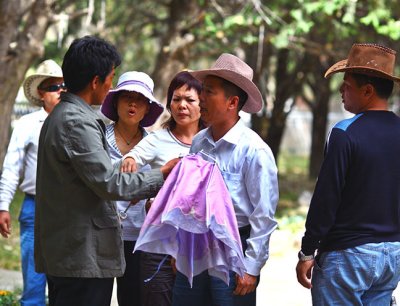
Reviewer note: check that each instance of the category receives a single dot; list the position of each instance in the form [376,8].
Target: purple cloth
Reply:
[193,220]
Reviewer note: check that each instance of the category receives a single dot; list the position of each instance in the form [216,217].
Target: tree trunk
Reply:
[320,111]
[287,86]
[23,25]
[175,44]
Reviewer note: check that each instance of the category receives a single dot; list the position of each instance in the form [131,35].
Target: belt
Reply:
[28,195]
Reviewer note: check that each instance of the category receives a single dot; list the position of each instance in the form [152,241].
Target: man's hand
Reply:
[303,270]
[128,165]
[5,223]
[245,285]
[173,264]
[167,168]
[134,202]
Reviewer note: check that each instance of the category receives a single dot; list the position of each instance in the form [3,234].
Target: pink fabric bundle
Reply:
[193,220]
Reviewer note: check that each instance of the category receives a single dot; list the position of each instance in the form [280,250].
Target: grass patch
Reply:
[10,247]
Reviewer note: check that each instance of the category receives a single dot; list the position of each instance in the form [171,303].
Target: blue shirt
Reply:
[249,170]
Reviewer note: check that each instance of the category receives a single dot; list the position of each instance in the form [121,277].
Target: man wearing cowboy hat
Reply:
[249,170]
[353,223]
[19,170]
[78,241]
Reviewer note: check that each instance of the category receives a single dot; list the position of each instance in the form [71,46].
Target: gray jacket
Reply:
[77,229]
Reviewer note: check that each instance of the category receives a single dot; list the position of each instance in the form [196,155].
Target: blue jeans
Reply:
[363,275]
[206,290]
[212,291]
[34,283]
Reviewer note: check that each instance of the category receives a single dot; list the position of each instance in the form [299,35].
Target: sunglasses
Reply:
[54,87]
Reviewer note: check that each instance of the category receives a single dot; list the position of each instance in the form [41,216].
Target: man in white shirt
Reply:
[19,170]
[249,170]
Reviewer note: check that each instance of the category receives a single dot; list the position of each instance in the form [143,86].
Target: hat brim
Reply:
[156,108]
[31,84]
[341,66]
[254,101]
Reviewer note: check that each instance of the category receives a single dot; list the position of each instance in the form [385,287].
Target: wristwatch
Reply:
[303,257]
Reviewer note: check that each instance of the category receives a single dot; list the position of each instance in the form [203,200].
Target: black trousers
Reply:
[128,285]
[68,291]
[158,290]
[250,298]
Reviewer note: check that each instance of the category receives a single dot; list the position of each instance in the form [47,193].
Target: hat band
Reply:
[132,82]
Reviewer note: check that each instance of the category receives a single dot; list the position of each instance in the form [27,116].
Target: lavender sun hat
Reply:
[138,82]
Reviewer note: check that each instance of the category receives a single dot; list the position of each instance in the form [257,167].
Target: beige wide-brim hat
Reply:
[47,69]
[233,69]
[369,59]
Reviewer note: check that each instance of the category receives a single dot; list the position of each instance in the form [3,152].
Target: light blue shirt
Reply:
[249,170]
[19,168]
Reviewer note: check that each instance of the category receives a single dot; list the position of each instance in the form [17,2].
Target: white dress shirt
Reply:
[249,170]
[19,167]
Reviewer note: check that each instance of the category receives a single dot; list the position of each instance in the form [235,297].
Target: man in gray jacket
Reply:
[77,231]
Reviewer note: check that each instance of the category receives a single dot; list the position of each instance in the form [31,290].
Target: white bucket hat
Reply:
[234,70]
[138,82]
[47,69]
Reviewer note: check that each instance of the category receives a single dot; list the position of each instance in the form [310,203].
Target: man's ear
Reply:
[95,82]
[369,90]
[233,102]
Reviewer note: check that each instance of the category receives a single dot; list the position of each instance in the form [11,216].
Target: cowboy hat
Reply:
[47,69]
[234,70]
[138,82]
[370,59]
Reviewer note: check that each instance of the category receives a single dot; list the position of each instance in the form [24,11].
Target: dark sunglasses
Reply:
[53,88]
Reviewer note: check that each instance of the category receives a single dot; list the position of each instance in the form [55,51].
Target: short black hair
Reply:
[231,90]
[383,87]
[86,58]
[180,79]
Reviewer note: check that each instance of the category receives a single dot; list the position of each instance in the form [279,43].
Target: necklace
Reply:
[130,141]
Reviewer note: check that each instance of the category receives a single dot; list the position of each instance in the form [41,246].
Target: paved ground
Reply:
[278,286]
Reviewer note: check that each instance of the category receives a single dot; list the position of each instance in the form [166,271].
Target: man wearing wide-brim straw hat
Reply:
[19,170]
[351,248]
[249,171]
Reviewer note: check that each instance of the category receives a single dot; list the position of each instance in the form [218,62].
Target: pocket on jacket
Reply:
[107,237]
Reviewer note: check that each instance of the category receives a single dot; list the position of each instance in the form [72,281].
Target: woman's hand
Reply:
[129,165]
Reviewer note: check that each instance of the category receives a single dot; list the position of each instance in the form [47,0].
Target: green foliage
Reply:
[10,247]
[8,298]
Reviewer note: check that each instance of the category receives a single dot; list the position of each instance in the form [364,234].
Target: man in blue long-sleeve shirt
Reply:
[353,224]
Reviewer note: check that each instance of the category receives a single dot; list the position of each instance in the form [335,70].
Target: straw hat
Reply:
[370,59]
[138,82]
[47,69]
[234,70]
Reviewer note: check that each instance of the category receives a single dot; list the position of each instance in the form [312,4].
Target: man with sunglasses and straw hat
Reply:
[42,89]
[249,171]
[350,253]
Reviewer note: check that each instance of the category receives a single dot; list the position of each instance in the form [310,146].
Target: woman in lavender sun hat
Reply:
[131,106]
